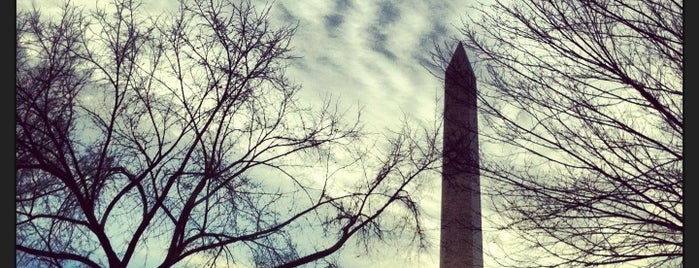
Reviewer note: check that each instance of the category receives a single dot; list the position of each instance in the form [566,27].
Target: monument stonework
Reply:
[461,243]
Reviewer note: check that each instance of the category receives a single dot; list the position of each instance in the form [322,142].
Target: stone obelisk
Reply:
[461,243]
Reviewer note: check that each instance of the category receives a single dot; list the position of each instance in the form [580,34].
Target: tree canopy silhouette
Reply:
[584,102]
[178,137]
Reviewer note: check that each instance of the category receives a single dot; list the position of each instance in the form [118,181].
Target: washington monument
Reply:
[461,243]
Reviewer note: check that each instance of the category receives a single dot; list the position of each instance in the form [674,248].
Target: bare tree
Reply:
[179,137]
[583,106]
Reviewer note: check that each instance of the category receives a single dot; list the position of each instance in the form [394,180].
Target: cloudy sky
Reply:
[373,54]
[370,54]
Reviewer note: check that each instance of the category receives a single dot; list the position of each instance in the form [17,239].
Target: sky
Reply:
[373,54]
[368,54]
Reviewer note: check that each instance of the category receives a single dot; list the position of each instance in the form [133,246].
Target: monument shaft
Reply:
[461,238]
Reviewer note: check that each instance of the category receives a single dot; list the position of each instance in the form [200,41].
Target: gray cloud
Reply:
[388,13]
[332,24]
[334,21]
[342,5]
[286,15]
[378,39]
